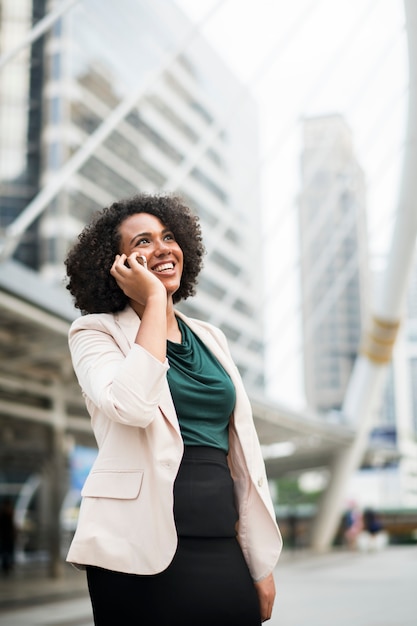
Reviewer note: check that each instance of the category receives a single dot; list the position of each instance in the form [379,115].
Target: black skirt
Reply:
[208,582]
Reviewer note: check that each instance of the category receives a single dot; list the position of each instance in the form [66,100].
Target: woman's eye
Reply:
[169,237]
[141,242]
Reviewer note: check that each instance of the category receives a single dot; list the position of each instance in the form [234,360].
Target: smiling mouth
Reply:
[164,267]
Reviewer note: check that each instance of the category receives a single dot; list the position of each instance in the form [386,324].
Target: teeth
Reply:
[165,266]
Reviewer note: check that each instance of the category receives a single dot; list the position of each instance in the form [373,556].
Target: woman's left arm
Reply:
[266,594]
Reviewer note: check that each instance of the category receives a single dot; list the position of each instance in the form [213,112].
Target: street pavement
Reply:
[347,589]
[339,588]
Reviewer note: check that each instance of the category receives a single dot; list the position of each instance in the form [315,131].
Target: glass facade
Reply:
[21,110]
[95,57]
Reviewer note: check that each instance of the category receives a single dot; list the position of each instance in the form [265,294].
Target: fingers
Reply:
[132,276]
[266,596]
[122,263]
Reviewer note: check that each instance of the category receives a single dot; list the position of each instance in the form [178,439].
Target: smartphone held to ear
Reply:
[141,259]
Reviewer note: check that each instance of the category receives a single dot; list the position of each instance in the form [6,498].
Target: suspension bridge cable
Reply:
[320,160]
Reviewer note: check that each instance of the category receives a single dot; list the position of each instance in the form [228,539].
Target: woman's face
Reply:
[149,237]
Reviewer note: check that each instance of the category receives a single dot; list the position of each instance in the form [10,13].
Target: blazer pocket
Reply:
[122,484]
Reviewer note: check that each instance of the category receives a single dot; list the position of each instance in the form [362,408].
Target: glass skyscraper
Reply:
[334,264]
[192,129]
[21,114]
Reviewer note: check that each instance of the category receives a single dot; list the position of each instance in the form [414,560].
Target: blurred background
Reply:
[284,127]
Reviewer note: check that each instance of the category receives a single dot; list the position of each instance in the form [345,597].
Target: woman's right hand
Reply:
[148,297]
[136,282]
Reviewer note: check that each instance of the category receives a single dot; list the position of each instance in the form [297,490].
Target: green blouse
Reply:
[203,393]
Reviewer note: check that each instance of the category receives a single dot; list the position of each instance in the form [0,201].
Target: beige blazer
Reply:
[126,518]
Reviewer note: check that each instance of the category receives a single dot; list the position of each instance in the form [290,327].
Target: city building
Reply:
[21,113]
[118,98]
[114,99]
[333,253]
[176,119]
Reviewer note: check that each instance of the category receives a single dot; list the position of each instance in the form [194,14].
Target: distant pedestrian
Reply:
[353,526]
[371,522]
[7,535]
[374,537]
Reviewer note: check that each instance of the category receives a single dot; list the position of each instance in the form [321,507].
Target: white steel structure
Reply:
[370,369]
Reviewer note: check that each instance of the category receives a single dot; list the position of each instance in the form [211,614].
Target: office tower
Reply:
[21,110]
[333,251]
[191,129]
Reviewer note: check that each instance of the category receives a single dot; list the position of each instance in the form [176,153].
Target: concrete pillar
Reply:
[369,372]
[58,480]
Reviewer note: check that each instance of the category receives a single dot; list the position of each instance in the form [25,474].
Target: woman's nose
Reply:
[161,247]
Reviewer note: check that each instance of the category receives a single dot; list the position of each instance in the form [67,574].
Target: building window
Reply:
[211,288]
[56,66]
[225,263]
[54,155]
[84,118]
[231,333]
[173,118]
[81,207]
[107,178]
[154,137]
[233,236]
[202,178]
[57,28]
[55,110]
[256,346]
[243,307]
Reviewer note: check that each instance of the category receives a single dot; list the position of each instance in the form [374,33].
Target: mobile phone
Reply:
[141,259]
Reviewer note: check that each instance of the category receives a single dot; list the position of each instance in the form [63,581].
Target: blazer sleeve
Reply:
[124,387]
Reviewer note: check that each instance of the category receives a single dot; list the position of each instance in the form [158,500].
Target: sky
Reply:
[304,58]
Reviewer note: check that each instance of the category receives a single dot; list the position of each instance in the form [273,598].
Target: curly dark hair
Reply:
[89,261]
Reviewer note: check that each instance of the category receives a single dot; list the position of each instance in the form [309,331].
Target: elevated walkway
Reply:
[37,383]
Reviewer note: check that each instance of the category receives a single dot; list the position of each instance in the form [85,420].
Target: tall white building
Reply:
[192,130]
[333,251]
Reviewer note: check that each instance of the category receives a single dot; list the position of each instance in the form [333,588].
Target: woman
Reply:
[176,524]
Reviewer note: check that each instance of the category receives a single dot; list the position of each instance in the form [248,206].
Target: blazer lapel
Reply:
[129,322]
